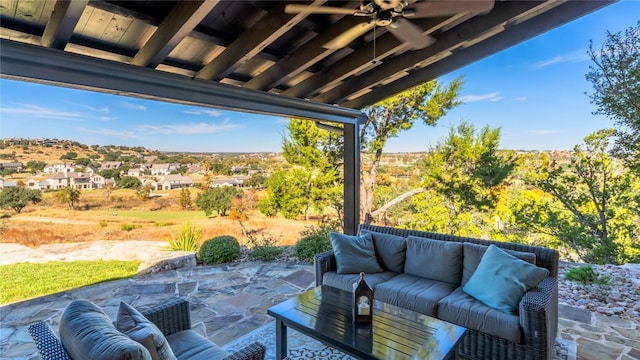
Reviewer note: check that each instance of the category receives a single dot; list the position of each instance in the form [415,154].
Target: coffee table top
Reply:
[325,313]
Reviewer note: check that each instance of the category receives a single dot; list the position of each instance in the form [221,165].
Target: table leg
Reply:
[281,340]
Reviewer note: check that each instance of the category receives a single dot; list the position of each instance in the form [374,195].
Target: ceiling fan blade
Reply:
[437,8]
[298,8]
[410,34]
[348,36]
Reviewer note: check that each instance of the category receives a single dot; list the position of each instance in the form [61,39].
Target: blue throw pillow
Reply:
[501,280]
[354,254]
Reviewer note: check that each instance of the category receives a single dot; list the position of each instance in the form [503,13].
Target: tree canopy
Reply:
[17,198]
[615,76]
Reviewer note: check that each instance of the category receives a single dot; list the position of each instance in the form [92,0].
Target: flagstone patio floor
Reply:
[231,300]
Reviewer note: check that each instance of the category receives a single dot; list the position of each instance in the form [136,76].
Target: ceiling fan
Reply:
[393,14]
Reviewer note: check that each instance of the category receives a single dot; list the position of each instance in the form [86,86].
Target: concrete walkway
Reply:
[231,300]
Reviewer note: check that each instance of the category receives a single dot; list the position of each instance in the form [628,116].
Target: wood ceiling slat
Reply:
[184,17]
[62,22]
[502,12]
[464,56]
[138,33]
[29,10]
[360,59]
[96,24]
[8,8]
[307,55]
[252,42]
[116,29]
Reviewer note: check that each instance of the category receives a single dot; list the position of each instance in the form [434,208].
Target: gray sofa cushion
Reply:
[86,332]
[434,259]
[413,293]
[462,309]
[188,344]
[391,250]
[472,254]
[345,281]
[132,323]
[354,254]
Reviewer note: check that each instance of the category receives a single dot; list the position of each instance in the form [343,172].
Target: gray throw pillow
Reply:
[434,259]
[87,333]
[135,325]
[391,250]
[472,254]
[354,254]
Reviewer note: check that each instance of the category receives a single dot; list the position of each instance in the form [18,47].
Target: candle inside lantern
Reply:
[363,306]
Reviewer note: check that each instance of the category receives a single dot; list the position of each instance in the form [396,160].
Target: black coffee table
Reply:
[324,313]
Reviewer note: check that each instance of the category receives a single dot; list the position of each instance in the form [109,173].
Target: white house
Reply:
[163,169]
[170,182]
[58,168]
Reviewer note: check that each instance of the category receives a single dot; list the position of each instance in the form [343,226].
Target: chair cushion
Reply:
[413,293]
[346,281]
[472,254]
[462,309]
[86,332]
[391,250]
[354,254]
[189,345]
[434,259]
[501,280]
[133,324]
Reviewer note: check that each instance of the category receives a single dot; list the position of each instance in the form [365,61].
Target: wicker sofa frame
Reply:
[170,317]
[538,309]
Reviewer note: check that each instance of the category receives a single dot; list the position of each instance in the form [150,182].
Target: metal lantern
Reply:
[362,302]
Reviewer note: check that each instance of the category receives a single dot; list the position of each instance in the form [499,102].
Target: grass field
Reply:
[27,280]
[163,216]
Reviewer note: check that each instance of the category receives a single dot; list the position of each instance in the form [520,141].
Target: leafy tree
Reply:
[17,198]
[108,189]
[314,181]
[593,206]
[69,196]
[465,176]
[143,193]
[70,155]
[615,76]
[110,174]
[217,199]
[257,181]
[82,161]
[35,166]
[185,199]
[386,119]
[129,182]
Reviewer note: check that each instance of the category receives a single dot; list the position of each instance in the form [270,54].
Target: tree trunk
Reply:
[371,186]
[398,199]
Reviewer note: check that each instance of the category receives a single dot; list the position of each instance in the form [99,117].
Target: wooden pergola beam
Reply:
[62,22]
[252,42]
[184,17]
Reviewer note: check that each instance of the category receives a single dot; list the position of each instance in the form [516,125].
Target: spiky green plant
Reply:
[188,239]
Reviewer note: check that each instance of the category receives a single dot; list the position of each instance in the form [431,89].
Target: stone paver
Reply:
[231,300]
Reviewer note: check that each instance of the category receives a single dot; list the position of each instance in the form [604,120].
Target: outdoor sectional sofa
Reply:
[492,334]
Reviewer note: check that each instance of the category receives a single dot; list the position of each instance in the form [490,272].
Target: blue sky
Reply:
[534,91]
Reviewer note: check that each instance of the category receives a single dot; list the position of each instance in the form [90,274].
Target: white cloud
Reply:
[104,109]
[40,112]
[281,120]
[132,106]
[544,131]
[572,57]
[107,118]
[520,98]
[214,113]
[110,132]
[186,129]
[494,96]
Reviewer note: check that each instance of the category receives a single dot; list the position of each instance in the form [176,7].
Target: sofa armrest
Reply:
[254,351]
[170,317]
[49,346]
[324,262]
[539,317]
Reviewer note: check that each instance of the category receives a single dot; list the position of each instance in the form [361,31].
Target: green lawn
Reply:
[26,280]
[162,215]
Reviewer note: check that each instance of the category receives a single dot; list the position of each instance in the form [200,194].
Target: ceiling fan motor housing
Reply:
[384,18]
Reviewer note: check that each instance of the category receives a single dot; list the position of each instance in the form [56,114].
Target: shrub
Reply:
[128,227]
[315,240]
[103,223]
[187,239]
[264,249]
[585,274]
[218,250]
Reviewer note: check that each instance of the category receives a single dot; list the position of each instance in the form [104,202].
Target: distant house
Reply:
[170,182]
[134,172]
[236,181]
[79,181]
[151,183]
[7,184]
[58,168]
[196,169]
[36,184]
[110,165]
[163,169]
[17,166]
